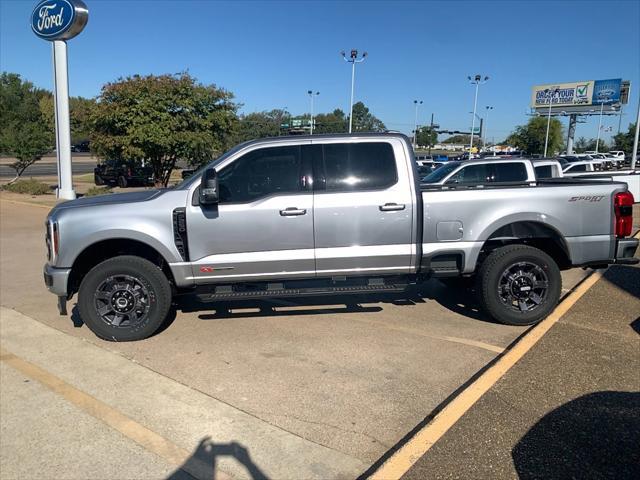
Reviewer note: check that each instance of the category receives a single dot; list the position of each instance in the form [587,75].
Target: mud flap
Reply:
[62,305]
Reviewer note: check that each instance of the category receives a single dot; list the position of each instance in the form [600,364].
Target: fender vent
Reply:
[180,232]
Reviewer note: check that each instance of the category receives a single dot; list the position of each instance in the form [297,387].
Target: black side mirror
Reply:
[209,187]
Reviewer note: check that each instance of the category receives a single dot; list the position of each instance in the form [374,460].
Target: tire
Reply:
[511,285]
[122,182]
[133,293]
[98,180]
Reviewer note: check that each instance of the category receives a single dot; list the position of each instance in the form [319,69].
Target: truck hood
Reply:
[109,199]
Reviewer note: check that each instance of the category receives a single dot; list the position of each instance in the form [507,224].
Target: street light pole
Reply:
[486,120]
[634,153]
[599,126]
[546,138]
[311,95]
[415,124]
[353,59]
[477,80]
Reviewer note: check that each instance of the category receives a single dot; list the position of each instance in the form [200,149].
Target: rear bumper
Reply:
[625,251]
[56,280]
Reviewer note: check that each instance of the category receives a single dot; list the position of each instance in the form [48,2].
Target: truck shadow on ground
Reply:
[594,436]
[461,301]
[203,462]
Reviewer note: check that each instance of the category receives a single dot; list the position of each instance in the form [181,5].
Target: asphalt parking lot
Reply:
[278,389]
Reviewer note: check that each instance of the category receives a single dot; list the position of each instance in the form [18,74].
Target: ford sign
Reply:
[59,19]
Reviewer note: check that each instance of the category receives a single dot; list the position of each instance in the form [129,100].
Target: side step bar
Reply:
[226,293]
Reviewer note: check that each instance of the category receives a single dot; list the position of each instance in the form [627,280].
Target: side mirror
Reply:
[209,187]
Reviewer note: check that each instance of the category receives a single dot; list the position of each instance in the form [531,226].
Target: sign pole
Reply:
[634,154]
[571,132]
[63,136]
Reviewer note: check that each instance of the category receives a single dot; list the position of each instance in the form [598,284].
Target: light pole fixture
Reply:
[415,124]
[488,108]
[477,80]
[552,93]
[311,95]
[352,59]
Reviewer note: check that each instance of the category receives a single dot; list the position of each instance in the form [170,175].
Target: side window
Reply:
[510,172]
[359,166]
[544,171]
[481,173]
[578,168]
[260,173]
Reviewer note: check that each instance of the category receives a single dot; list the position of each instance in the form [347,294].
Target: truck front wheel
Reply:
[125,298]
[519,285]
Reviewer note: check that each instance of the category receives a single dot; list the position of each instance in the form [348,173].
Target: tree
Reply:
[24,133]
[259,125]
[162,119]
[80,110]
[364,120]
[426,137]
[334,122]
[624,141]
[460,139]
[530,137]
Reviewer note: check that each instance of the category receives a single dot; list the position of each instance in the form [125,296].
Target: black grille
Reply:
[180,232]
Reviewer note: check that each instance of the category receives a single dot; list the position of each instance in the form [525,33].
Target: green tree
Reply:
[162,119]
[80,110]
[426,137]
[530,137]
[464,140]
[24,133]
[334,122]
[624,140]
[259,125]
[364,120]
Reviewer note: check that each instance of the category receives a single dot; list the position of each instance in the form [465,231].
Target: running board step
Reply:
[224,293]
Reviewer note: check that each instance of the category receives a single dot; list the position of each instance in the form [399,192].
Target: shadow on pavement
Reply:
[625,278]
[594,436]
[202,463]
[459,300]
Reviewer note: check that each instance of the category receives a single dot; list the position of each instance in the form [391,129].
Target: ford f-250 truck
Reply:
[327,215]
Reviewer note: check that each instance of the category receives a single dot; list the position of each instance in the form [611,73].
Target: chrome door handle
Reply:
[390,207]
[292,212]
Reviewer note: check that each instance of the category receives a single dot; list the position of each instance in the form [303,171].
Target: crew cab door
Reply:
[363,208]
[262,227]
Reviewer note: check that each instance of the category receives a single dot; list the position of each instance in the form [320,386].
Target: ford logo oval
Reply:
[59,19]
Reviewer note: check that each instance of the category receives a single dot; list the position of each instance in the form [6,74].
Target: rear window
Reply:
[544,171]
[359,166]
[577,168]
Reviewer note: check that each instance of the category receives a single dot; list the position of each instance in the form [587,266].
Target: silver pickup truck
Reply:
[327,215]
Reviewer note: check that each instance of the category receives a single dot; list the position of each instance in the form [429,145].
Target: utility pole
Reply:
[430,132]
[415,124]
[311,95]
[488,108]
[634,154]
[599,126]
[477,80]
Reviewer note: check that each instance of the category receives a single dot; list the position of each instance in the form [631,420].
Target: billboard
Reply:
[575,94]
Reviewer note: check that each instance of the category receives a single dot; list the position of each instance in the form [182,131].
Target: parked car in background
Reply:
[613,161]
[81,147]
[617,153]
[187,172]
[425,168]
[337,214]
[482,171]
[547,168]
[123,174]
[580,167]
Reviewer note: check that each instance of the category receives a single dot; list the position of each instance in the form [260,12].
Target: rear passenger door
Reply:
[363,208]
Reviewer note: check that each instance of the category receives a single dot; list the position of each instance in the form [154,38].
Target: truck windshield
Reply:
[439,174]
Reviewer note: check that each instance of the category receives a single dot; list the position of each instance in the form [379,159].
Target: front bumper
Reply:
[625,251]
[56,279]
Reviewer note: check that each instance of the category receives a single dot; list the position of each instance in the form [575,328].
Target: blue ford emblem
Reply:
[59,19]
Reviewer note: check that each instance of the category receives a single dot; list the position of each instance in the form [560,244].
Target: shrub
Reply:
[30,187]
[93,191]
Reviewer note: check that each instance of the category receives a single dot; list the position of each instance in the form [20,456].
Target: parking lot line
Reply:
[401,461]
[128,427]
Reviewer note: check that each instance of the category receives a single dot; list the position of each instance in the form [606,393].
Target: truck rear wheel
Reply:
[125,298]
[122,182]
[519,285]
[98,180]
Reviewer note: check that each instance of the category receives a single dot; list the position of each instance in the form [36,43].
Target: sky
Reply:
[270,53]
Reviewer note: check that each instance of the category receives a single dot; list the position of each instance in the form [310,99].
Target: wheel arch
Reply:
[101,250]
[533,233]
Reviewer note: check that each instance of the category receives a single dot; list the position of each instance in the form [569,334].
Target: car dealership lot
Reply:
[300,388]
